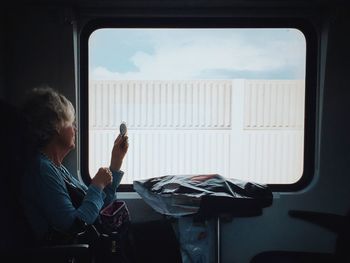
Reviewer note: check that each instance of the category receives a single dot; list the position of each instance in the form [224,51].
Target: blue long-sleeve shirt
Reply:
[47,202]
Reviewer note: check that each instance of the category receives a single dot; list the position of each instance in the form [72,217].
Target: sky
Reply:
[181,54]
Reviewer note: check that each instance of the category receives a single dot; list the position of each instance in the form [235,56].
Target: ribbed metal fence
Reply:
[247,129]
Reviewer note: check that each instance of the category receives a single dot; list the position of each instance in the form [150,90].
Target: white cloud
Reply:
[187,58]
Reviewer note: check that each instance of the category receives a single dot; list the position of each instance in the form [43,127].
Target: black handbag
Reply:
[76,194]
[78,229]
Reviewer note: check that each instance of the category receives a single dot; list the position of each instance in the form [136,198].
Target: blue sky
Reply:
[160,54]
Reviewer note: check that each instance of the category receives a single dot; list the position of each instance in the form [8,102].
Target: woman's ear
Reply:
[58,127]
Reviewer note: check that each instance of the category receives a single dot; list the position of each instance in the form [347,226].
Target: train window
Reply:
[227,100]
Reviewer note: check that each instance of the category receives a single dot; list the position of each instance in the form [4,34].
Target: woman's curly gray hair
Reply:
[46,111]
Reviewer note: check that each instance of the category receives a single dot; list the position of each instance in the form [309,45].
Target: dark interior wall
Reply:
[335,158]
[38,51]
[2,54]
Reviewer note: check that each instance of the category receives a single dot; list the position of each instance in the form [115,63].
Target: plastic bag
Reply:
[196,240]
[180,195]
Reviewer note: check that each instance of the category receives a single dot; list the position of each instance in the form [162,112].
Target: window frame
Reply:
[311,78]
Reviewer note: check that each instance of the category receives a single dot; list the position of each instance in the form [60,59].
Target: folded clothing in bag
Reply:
[115,216]
[180,195]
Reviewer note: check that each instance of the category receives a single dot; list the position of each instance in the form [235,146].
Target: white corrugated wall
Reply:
[248,129]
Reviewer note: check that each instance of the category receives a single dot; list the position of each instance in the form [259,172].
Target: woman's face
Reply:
[67,134]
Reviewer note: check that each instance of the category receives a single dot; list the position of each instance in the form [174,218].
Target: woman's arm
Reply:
[111,189]
[57,204]
[119,151]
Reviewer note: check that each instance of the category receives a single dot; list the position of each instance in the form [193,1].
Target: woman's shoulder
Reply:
[45,166]
[41,171]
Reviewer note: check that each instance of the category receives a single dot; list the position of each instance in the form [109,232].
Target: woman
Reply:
[47,202]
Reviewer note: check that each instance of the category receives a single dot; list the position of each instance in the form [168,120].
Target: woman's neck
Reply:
[54,153]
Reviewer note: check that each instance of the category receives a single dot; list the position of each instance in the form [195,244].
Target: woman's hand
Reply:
[119,150]
[102,178]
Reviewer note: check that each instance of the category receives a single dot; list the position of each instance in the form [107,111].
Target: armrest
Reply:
[79,233]
[64,245]
[333,222]
[59,253]
[73,250]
